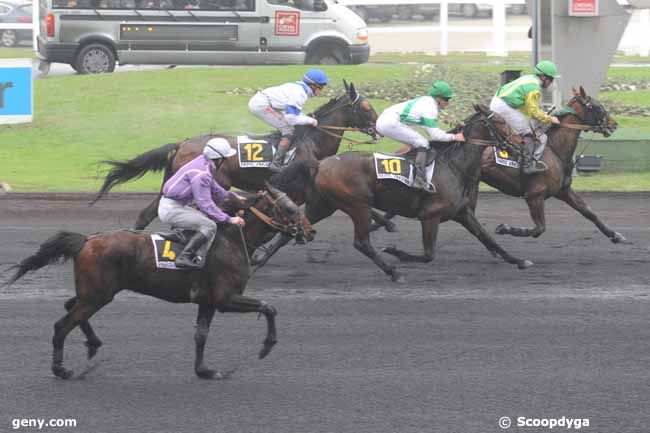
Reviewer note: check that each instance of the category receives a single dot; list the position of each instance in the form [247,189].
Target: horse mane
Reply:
[297,177]
[302,130]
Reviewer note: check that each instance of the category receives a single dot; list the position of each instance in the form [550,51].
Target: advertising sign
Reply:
[583,8]
[287,23]
[16,91]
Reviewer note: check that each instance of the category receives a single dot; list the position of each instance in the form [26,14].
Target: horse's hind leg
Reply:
[570,197]
[243,304]
[467,219]
[203,321]
[78,313]
[93,343]
[382,221]
[536,208]
[147,215]
[429,236]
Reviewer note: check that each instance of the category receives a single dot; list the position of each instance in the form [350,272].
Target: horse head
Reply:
[278,211]
[498,130]
[592,113]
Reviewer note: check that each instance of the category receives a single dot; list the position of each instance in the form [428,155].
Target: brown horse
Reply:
[349,111]
[105,264]
[585,114]
[349,182]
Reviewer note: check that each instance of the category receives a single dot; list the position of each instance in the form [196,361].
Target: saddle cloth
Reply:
[166,249]
[258,152]
[399,168]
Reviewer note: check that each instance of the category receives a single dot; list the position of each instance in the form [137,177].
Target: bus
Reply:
[93,35]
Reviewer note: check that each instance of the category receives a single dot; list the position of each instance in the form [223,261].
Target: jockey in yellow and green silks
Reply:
[519,101]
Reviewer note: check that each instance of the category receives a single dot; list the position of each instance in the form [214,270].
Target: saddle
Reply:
[431,155]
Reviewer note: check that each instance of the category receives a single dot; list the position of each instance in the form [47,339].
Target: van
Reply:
[93,35]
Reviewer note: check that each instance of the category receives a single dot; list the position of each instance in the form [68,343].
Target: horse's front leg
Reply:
[260,260]
[468,220]
[536,208]
[203,321]
[243,304]
[570,197]
[429,236]
[147,215]
[382,221]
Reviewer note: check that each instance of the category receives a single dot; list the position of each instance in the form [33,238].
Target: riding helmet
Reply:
[218,148]
[441,89]
[315,76]
[548,68]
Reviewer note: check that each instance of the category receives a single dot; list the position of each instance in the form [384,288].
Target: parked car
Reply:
[15,13]
[432,10]
[382,13]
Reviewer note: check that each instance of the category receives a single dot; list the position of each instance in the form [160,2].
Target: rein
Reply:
[269,220]
[351,141]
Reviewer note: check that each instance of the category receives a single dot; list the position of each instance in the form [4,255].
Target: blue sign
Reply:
[15,91]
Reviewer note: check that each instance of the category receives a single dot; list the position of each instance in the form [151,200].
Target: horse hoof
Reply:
[389,249]
[266,349]
[618,238]
[391,227]
[206,373]
[398,278]
[61,372]
[92,348]
[524,264]
[502,229]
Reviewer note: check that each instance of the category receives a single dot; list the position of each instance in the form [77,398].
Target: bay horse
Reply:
[348,182]
[349,111]
[585,114]
[107,263]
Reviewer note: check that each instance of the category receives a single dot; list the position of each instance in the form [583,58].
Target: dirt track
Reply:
[463,342]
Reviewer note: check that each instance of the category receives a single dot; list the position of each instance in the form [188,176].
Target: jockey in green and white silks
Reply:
[518,102]
[399,121]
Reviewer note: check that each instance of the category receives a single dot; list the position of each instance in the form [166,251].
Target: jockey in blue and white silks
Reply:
[281,107]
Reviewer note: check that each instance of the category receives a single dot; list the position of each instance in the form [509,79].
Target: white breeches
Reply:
[260,106]
[389,125]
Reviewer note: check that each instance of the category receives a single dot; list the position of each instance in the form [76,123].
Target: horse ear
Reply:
[575,91]
[275,193]
[353,92]
[583,93]
[345,84]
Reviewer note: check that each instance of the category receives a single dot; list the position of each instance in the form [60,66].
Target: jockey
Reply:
[194,182]
[397,122]
[281,107]
[518,102]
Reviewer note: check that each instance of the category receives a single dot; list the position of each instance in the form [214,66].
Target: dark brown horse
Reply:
[587,114]
[105,264]
[349,111]
[349,182]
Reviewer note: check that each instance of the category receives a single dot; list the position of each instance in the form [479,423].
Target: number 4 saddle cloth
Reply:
[399,168]
[258,152]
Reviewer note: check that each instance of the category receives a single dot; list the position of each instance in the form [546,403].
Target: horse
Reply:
[107,263]
[348,182]
[584,114]
[349,111]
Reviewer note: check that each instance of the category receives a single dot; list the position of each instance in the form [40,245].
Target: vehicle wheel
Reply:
[326,55]
[469,11]
[8,38]
[95,59]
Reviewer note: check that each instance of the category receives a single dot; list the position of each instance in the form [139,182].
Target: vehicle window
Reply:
[304,5]
[27,9]
[4,9]
[211,5]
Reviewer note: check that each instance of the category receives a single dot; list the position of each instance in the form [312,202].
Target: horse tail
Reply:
[62,246]
[124,171]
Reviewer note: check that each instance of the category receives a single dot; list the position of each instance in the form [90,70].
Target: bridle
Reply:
[601,127]
[354,105]
[498,138]
[286,226]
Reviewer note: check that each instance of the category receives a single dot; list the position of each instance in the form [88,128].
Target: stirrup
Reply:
[535,167]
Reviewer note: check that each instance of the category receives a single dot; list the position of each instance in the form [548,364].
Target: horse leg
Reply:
[93,343]
[382,221]
[243,304]
[203,321]
[429,236]
[147,214]
[361,220]
[570,197]
[536,208]
[259,261]
[79,312]
[468,220]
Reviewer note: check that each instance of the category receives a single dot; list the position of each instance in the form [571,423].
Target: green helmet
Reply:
[441,89]
[548,68]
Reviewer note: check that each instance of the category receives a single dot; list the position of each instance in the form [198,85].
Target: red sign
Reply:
[287,23]
[583,7]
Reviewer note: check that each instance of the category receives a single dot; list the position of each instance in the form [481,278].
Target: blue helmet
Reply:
[315,76]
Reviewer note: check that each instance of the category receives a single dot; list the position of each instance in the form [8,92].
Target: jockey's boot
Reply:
[420,181]
[532,165]
[188,259]
[278,159]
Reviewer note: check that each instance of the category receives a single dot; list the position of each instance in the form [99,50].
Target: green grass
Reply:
[637,97]
[16,53]
[80,120]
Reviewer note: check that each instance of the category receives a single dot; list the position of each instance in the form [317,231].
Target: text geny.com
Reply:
[40,422]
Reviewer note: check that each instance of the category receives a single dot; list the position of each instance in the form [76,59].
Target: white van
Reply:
[92,35]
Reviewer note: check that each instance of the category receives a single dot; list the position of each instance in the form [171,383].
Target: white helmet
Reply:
[218,148]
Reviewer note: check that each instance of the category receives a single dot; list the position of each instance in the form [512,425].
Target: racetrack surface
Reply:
[465,341]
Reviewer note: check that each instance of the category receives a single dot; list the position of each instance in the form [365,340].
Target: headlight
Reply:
[362,34]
